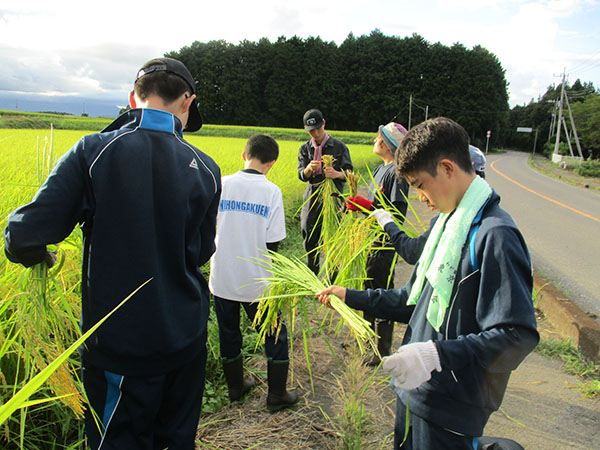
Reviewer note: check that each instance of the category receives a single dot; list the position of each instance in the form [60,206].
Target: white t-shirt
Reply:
[250,215]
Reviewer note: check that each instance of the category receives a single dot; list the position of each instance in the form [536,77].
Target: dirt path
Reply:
[313,423]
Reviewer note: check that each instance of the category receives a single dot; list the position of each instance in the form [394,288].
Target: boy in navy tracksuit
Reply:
[468,303]
[147,202]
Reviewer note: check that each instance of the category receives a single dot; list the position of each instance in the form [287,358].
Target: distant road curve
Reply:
[560,222]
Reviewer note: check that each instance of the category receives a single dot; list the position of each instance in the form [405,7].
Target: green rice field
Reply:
[39,312]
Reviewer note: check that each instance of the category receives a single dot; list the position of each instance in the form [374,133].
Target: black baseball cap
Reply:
[313,119]
[178,68]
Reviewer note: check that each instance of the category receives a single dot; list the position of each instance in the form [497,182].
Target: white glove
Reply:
[383,217]
[412,364]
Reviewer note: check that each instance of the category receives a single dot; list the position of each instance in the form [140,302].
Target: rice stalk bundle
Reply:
[20,398]
[349,249]
[352,180]
[328,197]
[290,284]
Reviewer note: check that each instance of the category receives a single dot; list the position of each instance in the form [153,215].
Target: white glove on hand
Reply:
[383,217]
[412,364]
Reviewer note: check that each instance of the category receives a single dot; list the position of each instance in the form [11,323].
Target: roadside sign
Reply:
[489,133]
[524,130]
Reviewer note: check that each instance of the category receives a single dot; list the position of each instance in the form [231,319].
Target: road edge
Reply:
[569,320]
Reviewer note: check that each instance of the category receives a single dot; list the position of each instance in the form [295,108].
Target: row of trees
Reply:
[362,83]
[585,106]
[372,79]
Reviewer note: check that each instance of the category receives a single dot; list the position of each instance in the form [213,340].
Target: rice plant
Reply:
[38,321]
[351,415]
[39,308]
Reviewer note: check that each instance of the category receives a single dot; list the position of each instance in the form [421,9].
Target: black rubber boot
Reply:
[385,330]
[234,375]
[279,397]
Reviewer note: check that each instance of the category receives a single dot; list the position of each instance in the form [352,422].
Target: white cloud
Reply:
[66,48]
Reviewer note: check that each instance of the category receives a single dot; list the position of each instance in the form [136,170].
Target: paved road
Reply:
[560,222]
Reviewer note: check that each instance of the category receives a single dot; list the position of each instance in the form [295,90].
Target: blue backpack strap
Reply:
[473,233]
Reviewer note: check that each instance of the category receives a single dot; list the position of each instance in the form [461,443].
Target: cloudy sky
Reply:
[75,48]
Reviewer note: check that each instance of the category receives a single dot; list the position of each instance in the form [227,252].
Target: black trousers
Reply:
[230,335]
[152,412]
[378,268]
[310,224]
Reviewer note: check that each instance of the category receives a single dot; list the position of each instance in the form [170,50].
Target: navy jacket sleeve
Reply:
[384,304]
[52,214]
[408,248]
[345,162]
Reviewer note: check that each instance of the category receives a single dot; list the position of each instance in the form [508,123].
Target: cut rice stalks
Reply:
[349,249]
[292,291]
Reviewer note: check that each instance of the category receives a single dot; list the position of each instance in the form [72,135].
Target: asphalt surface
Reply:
[560,223]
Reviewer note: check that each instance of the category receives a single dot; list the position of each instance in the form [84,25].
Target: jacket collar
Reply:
[148,118]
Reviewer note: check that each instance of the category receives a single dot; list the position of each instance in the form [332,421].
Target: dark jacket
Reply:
[488,330]
[146,201]
[334,147]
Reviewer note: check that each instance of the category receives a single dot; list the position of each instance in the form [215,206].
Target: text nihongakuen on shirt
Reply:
[250,215]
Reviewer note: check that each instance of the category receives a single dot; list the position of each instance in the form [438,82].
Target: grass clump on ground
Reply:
[575,363]
[589,168]
[587,178]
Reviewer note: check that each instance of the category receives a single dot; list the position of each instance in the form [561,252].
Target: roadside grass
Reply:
[575,363]
[547,167]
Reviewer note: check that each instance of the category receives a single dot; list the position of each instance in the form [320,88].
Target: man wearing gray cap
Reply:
[311,171]
[478,160]
[147,202]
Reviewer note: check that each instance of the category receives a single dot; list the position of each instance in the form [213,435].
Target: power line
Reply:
[593,66]
[583,63]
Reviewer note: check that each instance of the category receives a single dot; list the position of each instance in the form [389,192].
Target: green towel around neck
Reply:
[441,255]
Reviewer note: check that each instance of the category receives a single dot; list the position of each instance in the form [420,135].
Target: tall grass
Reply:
[38,322]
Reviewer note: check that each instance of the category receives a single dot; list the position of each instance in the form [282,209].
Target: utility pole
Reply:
[560,110]
[564,98]
[553,121]
[574,129]
[409,111]
[426,111]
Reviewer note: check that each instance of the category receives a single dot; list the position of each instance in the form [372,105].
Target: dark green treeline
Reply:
[364,82]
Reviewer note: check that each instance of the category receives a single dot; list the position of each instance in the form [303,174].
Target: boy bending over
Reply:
[468,303]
